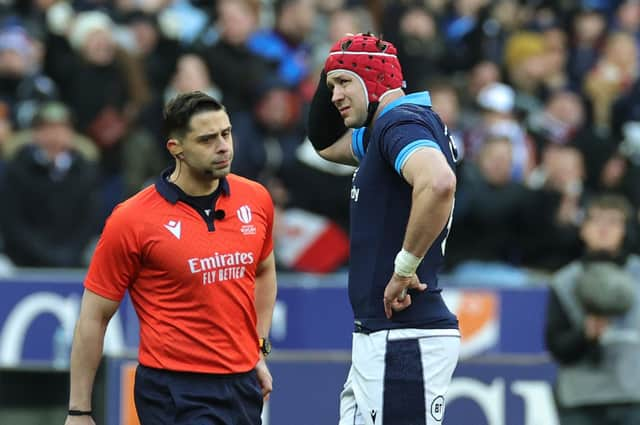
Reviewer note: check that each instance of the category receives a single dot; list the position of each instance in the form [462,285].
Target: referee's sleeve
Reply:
[116,259]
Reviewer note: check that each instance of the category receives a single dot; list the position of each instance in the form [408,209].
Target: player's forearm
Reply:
[340,151]
[431,205]
[85,359]
[265,293]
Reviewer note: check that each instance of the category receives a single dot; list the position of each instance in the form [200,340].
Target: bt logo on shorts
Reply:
[437,408]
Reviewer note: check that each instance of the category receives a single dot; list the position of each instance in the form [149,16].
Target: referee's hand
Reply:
[79,420]
[264,378]
[396,297]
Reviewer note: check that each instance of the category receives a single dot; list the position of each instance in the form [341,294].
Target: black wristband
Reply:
[325,125]
[73,412]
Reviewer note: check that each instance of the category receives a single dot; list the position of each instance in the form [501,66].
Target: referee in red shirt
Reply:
[195,253]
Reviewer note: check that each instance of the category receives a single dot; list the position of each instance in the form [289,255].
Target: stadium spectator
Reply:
[237,71]
[593,322]
[286,45]
[613,74]
[588,31]
[421,48]
[23,85]
[496,102]
[51,196]
[559,181]
[492,214]
[154,49]
[269,135]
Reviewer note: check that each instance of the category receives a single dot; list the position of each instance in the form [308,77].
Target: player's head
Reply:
[199,134]
[373,65]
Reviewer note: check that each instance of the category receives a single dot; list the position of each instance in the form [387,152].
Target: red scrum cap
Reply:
[374,61]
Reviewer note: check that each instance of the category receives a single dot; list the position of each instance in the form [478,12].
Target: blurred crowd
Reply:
[542,96]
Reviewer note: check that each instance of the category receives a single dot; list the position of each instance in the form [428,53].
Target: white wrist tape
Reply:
[406,263]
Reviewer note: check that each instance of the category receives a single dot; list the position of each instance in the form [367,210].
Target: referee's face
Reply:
[348,96]
[208,146]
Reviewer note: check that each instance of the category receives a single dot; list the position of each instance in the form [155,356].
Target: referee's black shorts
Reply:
[182,398]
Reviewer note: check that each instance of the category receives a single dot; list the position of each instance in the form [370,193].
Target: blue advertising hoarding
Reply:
[312,336]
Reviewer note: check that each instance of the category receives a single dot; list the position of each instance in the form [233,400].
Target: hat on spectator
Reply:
[497,97]
[605,288]
[85,24]
[15,39]
[52,112]
[521,46]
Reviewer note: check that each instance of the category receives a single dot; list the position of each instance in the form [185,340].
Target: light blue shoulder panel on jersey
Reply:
[357,142]
[420,98]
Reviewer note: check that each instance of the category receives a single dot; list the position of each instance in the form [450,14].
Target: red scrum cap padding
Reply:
[374,60]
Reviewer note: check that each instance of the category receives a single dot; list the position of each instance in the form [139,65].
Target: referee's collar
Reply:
[173,194]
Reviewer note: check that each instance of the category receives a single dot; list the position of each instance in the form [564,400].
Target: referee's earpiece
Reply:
[172,145]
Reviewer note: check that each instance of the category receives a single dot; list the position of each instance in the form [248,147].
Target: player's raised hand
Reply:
[396,297]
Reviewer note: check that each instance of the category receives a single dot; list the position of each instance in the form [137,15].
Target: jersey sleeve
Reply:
[267,204]
[116,260]
[358,143]
[401,140]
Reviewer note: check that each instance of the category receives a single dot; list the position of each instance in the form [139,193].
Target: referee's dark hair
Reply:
[178,112]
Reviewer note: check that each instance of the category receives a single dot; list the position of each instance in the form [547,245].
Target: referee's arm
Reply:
[86,352]
[265,293]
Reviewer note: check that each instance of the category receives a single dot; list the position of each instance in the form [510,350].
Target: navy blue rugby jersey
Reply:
[380,206]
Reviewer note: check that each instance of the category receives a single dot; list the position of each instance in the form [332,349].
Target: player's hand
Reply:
[396,297]
[79,420]
[264,378]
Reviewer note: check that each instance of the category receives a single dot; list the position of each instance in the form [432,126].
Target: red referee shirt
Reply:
[192,285]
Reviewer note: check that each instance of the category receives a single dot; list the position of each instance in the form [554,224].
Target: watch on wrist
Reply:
[265,346]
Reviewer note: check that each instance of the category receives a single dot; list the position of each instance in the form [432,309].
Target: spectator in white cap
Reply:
[497,102]
[106,88]
[91,34]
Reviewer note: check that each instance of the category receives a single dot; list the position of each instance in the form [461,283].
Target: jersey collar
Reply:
[171,193]
[420,98]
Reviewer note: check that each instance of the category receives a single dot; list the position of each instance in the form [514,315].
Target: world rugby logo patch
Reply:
[244,214]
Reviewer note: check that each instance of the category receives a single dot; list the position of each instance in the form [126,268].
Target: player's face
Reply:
[208,146]
[349,97]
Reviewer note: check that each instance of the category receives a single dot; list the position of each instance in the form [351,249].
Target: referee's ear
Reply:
[174,147]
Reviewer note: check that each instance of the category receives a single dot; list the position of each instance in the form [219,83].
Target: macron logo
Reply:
[174,227]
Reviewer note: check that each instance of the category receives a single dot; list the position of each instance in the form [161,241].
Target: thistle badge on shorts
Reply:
[245,217]
[437,408]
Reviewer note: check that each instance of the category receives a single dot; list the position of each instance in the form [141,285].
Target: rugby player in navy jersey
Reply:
[406,341]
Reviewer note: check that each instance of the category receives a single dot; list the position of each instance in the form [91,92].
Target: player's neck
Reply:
[193,185]
[385,100]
